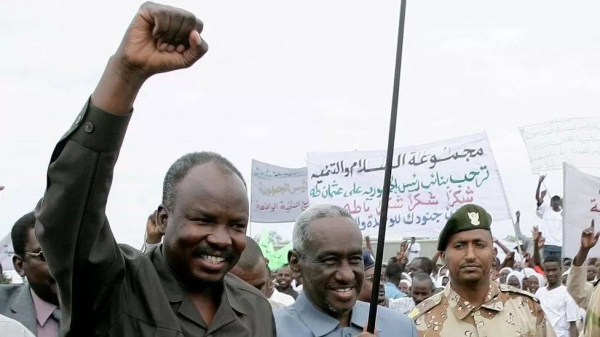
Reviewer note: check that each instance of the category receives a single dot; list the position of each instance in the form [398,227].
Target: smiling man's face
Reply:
[333,269]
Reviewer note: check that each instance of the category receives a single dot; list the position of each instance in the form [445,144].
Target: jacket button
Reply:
[89,127]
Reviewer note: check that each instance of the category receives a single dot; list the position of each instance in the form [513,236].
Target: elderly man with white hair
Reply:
[328,253]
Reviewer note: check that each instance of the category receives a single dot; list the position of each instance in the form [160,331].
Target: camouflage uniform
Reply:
[506,312]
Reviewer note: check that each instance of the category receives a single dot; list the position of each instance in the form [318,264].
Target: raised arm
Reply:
[539,196]
[577,275]
[538,242]
[502,246]
[72,227]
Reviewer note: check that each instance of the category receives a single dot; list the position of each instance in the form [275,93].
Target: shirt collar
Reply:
[321,323]
[43,309]
[461,307]
[175,290]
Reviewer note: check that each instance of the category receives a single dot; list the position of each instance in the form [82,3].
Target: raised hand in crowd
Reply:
[159,39]
[589,239]
[539,197]
[509,260]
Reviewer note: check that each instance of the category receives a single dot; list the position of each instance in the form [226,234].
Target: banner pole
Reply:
[388,172]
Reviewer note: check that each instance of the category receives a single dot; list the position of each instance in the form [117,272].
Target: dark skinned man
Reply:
[472,304]
[367,288]
[561,310]
[284,281]
[585,294]
[182,287]
[328,253]
[252,269]
[34,304]
[422,288]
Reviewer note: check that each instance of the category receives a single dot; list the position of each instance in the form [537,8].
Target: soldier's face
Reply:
[469,256]
[333,269]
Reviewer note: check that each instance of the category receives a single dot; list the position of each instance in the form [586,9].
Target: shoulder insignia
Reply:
[426,305]
[510,289]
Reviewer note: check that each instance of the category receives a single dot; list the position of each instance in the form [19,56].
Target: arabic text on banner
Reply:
[278,194]
[572,140]
[429,183]
[581,204]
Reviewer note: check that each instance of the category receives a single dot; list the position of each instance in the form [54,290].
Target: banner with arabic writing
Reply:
[278,194]
[580,207]
[429,183]
[572,140]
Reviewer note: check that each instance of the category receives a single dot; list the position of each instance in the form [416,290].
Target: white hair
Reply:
[301,236]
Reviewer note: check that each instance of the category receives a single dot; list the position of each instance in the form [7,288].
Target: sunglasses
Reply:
[39,255]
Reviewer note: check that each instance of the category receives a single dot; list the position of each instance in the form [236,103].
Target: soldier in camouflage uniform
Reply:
[472,304]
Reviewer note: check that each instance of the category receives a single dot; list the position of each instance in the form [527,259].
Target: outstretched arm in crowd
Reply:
[539,197]
[538,242]
[509,261]
[72,226]
[577,279]
[502,246]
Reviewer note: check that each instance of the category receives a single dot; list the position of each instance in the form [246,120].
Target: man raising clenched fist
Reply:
[181,287]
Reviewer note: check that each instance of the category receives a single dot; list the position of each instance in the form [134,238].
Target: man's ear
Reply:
[18,264]
[162,217]
[294,261]
[443,257]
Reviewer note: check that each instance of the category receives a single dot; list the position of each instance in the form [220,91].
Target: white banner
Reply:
[581,204]
[572,140]
[429,183]
[278,194]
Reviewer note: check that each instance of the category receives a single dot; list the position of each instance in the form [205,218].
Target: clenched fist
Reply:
[160,39]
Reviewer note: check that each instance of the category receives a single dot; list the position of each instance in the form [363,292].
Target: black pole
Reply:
[388,173]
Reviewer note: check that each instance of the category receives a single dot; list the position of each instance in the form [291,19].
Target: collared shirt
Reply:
[282,298]
[506,311]
[392,291]
[46,325]
[12,328]
[304,319]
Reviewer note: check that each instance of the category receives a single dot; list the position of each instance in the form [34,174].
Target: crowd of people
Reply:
[198,274]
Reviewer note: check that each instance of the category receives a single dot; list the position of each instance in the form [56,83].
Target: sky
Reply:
[282,79]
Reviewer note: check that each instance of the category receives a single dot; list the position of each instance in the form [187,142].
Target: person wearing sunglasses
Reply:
[35,302]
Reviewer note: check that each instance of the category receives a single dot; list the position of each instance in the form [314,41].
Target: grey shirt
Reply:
[304,319]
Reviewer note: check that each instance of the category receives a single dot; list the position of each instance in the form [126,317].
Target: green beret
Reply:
[466,218]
